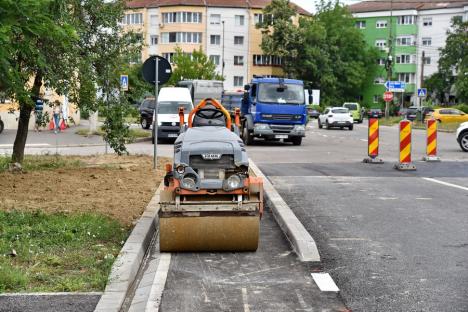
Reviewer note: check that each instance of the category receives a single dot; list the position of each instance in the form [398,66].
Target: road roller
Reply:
[210,200]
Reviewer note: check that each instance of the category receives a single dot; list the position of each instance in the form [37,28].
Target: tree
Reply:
[438,85]
[453,59]
[325,50]
[193,66]
[73,47]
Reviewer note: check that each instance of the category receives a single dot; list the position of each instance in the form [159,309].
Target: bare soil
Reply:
[119,187]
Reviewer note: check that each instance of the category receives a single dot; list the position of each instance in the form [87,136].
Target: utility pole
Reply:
[423,57]
[222,65]
[389,62]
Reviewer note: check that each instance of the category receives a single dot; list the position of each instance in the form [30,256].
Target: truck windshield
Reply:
[272,93]
[173,107]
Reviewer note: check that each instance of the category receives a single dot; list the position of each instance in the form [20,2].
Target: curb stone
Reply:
[125,267]
[301,241]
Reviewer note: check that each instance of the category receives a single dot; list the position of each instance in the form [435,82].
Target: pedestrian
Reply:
[65,111]
[56,115]
[38,112]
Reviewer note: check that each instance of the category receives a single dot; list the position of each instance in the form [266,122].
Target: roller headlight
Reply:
[233,182]
[189,182]
[180,169]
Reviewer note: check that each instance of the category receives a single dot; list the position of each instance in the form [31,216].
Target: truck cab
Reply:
[274,109]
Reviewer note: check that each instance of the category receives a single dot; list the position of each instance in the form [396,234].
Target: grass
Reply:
[390,121]
[133,133]
[57,252]
[43,162]
[444,126]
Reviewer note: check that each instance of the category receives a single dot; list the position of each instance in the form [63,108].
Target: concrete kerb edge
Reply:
[125,267]
[301,241]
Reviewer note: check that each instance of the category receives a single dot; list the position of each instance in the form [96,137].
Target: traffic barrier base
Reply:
[404,159]
[431,142]
[373,143]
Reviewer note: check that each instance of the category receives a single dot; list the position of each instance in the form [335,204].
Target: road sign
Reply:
[395,86]
[388,96]
[422,92]
[164,70]
[124,82]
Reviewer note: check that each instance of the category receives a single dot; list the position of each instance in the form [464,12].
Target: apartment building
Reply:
[224,29]
[410,29]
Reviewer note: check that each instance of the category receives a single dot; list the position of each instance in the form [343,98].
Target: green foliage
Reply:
[438,85]
[193,66]
[454,58]
[57,252]
[462,107]
[326,50]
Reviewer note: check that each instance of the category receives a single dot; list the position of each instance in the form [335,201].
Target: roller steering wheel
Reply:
[209,113]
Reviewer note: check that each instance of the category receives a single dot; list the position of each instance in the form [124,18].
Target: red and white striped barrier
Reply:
[404,159]
[431,142]
[373,142]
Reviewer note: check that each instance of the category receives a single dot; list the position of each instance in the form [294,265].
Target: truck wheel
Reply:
[247,136]
[319,124]
[296,140]
[1,126]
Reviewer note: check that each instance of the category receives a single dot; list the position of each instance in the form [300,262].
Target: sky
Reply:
[309,4]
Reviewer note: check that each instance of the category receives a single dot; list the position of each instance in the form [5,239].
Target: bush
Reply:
[462,107]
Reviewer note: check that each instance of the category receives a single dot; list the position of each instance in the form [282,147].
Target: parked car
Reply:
[338,117]
[412,113]
[313,111]
[1,125]
[448,115]
[374,113]
[146,112]
[355,110]
[462,136]
[402,111]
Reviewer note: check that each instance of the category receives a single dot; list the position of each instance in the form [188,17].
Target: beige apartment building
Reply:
[224,29]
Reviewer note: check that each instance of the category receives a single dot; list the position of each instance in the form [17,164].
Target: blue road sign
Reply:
[124,82]
[422,92]
[395,86]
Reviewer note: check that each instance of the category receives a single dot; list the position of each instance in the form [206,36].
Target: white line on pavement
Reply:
[363,140]
[245,300]
[446,184]
[158,283]
[325,282]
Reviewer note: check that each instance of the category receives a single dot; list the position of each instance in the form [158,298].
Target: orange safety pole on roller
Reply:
[373,142]
[431,143]
[181,117]
[404,155]
[237,116]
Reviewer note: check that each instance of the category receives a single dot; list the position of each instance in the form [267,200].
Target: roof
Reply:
[255,4]
[381,5]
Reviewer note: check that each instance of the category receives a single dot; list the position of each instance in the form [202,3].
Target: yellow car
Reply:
[448,115]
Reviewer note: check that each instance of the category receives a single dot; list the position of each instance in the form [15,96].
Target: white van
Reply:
[169,101]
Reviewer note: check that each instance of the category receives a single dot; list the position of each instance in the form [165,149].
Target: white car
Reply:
[462,136]
[338,117]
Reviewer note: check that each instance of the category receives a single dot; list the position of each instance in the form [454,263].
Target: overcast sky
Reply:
[309,4]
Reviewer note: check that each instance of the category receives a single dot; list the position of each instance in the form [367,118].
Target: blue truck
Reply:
[274,109]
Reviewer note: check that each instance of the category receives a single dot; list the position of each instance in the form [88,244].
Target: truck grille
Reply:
[285,117]
[281,128]
[225,162]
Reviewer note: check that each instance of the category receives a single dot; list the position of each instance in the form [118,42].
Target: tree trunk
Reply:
[23,123]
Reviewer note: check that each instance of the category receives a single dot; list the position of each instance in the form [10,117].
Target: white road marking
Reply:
[388,198]
[159,281]
[325,282]
[303,304]
[423,198]
[363,140]
[245,300]
[446,184]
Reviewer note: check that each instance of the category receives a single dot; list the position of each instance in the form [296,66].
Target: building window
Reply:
[267,60]
[215,59]
[381,43]
[427,60]
[238,60]
[360,24]
[376,98]
[427,21]
[426,41]
[405,59]
[215,19]
[238,40]
[258,18]
[406,77]
[405,41]
[215,39]
[153,40]
[133,19]
[381,24]
[154,20]
[381,61]
[169,56]
[379,80]
[406,20]
[181,37]
[182,17]
[238,81]
[239,20]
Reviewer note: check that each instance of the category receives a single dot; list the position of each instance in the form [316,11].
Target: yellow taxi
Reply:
[448,115]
